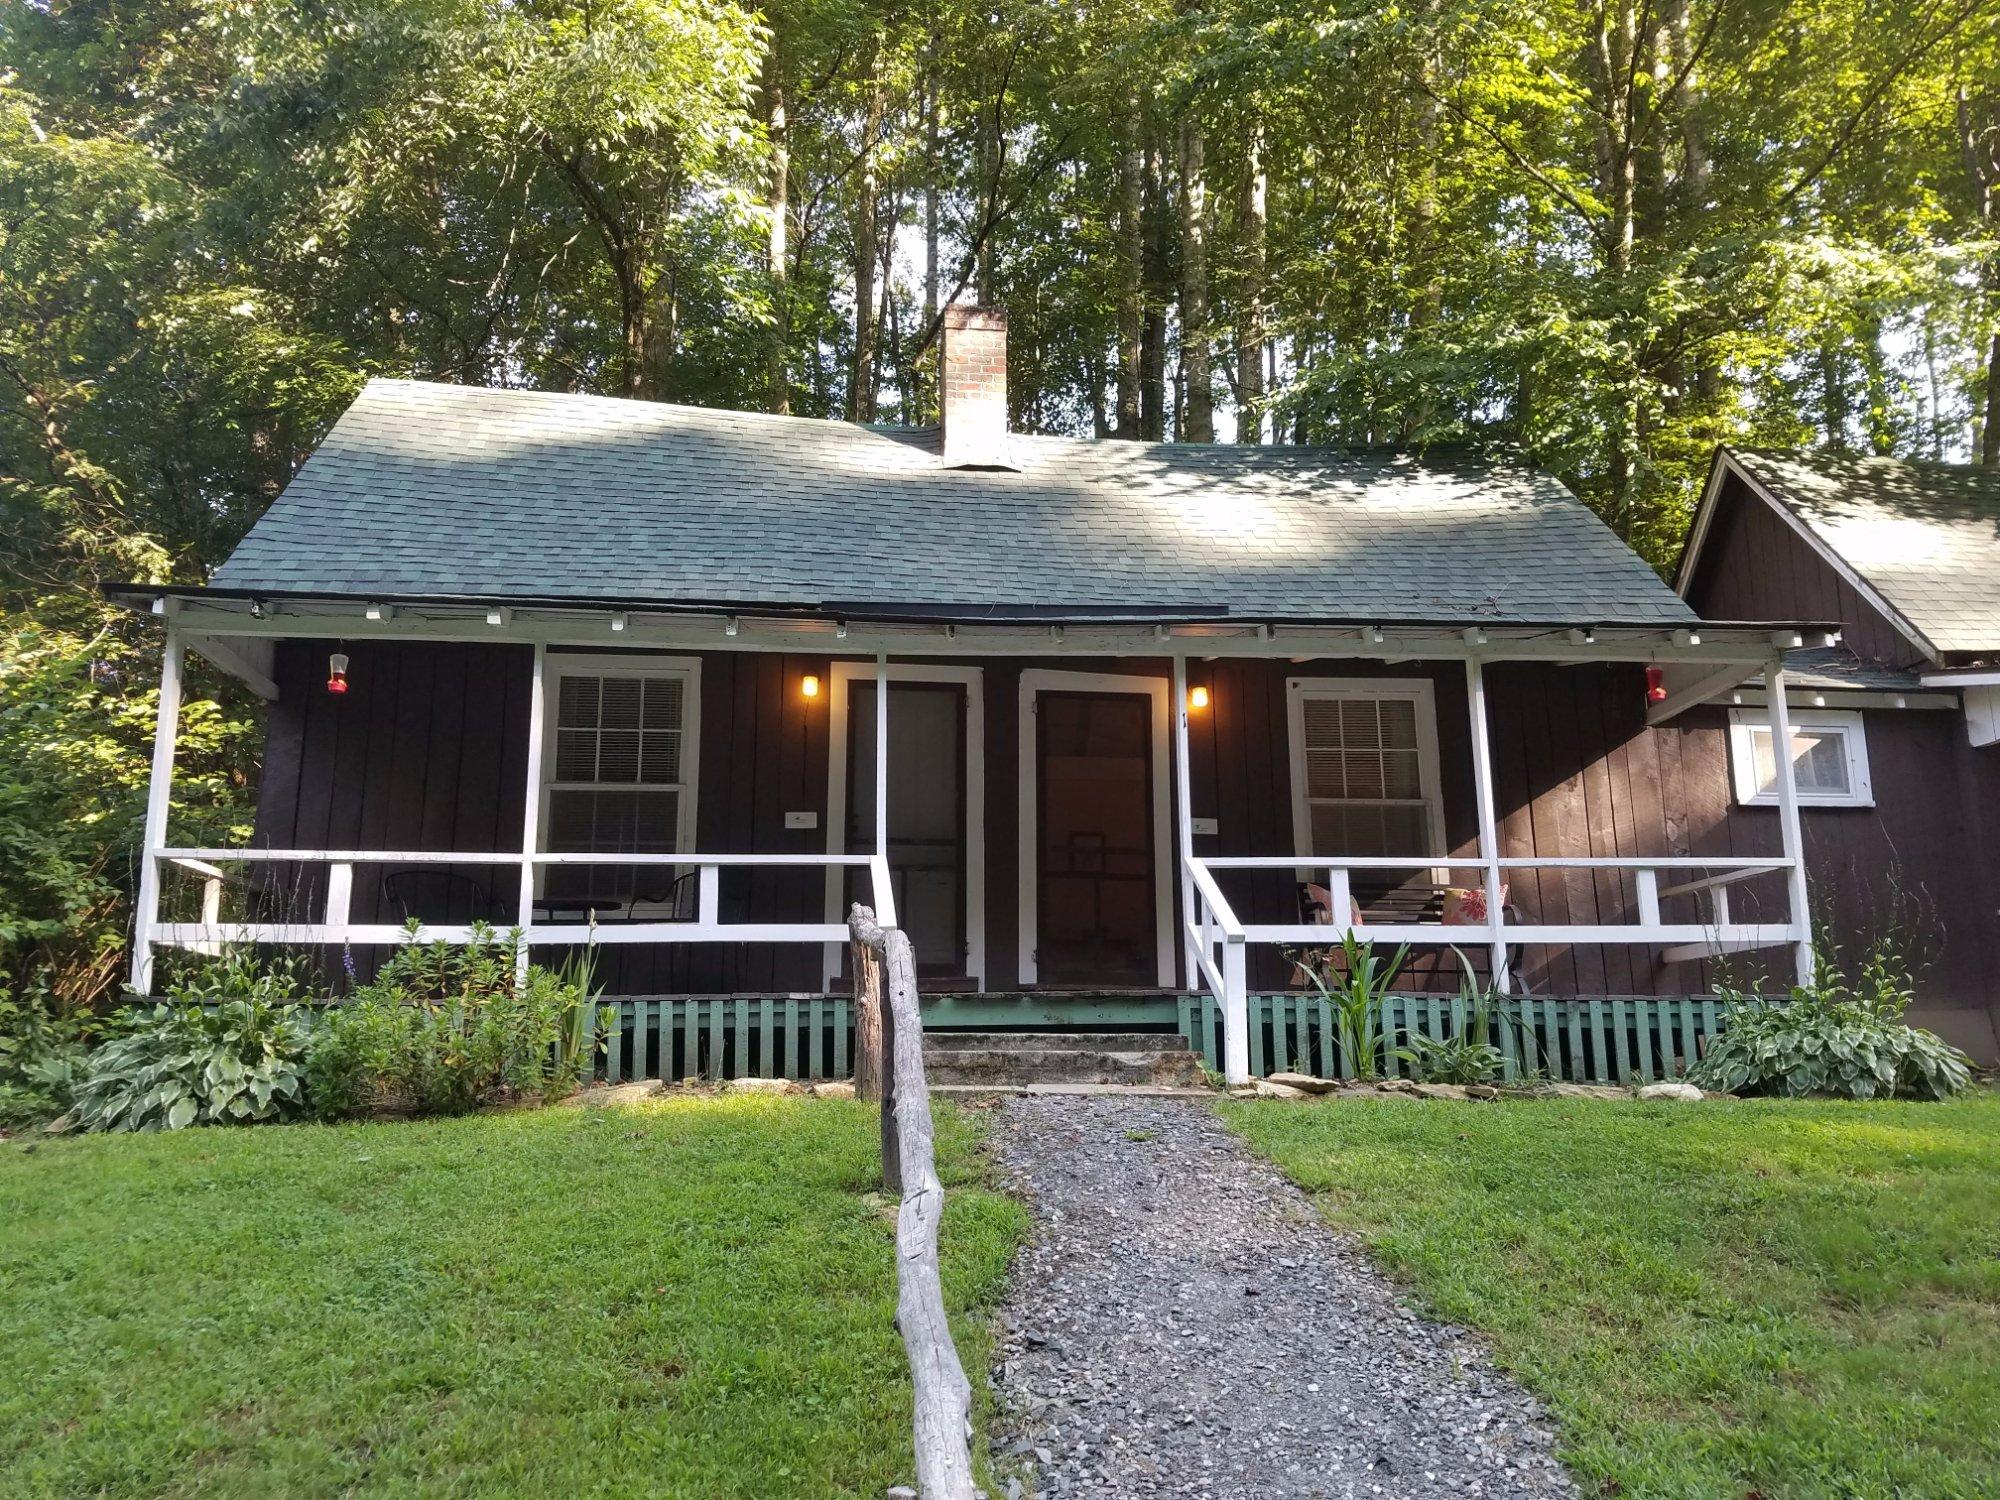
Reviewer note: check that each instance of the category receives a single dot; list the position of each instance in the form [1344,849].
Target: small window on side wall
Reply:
[1829,758]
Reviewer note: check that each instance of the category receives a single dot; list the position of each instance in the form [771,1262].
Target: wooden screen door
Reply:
[1095,913]
[927,811]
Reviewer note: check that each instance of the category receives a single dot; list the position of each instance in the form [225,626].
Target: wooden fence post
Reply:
[942,1409]
[892,1148]
[868,1053]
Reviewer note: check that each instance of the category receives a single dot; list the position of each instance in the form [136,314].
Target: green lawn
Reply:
[1731,1299]
[687,1297]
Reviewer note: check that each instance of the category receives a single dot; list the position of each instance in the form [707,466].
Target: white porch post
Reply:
[1788,817]
[882,755]
[159,793]
[1183,820]
[1489,829]
[531,809]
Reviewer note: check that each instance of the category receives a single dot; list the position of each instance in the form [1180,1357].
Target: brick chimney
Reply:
[973,388]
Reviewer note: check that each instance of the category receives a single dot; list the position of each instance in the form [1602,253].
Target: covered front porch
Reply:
[1073,820]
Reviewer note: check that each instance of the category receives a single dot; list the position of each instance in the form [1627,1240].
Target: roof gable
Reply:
[1920,540]
[455,491]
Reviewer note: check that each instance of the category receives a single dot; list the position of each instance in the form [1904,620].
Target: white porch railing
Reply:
[1217,938]
[334,925]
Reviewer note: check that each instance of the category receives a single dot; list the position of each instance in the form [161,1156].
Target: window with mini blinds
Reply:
[619,779]
[1364,767]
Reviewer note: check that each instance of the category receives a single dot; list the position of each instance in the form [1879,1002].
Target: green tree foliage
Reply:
[1603,236]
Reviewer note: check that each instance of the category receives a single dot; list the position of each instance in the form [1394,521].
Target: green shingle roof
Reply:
[444,490]
[1924,536]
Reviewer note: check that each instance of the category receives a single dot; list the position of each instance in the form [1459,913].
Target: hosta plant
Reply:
[1833,1036]
[1803,1046]
[172,1066]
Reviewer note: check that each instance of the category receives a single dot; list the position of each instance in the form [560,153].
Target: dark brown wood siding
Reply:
[428,751]
[1755,566]
[1928,853]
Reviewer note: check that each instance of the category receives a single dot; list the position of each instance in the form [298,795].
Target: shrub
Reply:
[444,1028]
[41,1048]
[177,1065]
[1835,1036]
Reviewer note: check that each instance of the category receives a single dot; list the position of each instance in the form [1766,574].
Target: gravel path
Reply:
[1185,1324]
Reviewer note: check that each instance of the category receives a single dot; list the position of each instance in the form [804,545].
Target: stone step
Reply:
[1018,1065]
[1055,1041]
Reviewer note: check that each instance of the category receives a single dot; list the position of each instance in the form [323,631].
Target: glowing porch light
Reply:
[809,685]
[1197,698]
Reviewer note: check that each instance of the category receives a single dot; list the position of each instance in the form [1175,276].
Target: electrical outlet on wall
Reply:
[1201,826]
[802,820]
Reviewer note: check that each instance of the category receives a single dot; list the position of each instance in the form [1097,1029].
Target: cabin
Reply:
[1897,729]
[1115,731]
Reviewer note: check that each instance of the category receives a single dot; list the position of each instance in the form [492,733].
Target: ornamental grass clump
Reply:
[1837,1036]
[1353,980]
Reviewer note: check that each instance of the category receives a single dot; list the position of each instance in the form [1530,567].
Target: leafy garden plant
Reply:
[240,1062]
[444,1028]
[1835,1036]
[1353,980]
[1467,1056]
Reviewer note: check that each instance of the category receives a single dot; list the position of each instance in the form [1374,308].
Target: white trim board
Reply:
[840,678]
[1037,680]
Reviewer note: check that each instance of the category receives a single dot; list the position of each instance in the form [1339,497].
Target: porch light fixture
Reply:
[336,672]
[257,609]
[1587,636]
[1687,637]
[1656,684]
[618,622]
[1375,634]
[809,685]
[380,611]
[500,614]
[731,625]
[1197,697]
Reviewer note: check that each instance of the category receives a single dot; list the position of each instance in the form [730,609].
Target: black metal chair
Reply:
[432,893]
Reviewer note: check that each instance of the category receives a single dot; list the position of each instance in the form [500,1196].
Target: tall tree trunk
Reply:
[922,409]
[1989,438]
[1836,407]
[1198,425]
[1979,144]
[1610,58]
[1131,271]
[1153,337]
[861,381]
[1250,315]
[989,193]
[778,126]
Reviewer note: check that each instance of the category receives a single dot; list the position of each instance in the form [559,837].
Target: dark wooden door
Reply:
[927,812]
[1095,918]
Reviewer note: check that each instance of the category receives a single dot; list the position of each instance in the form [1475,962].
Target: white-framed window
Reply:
[1364,766]
[618,777]
[1829,758]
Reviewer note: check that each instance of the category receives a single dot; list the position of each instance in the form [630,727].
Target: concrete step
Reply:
[1055,1041]
[1024,1062]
